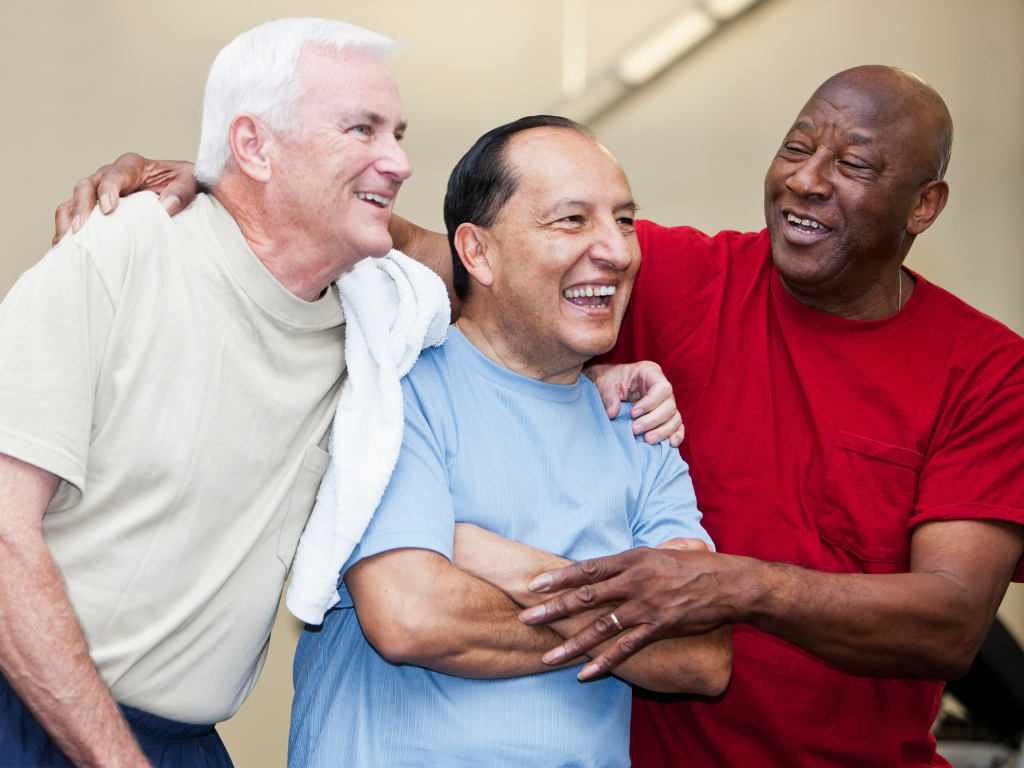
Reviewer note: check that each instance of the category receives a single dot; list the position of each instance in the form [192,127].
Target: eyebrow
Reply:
[857,138]
[377,119]
[850,136]
[567,202]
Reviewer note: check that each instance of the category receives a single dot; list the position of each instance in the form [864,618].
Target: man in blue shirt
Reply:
[509,464]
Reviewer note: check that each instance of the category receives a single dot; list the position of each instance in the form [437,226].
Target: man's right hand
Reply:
[172,180]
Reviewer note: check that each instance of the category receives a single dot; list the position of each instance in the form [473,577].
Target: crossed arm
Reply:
[42,652]
[460,619]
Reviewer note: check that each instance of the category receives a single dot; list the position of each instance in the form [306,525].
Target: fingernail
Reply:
[169,202]
[553,656]
[76,224]
[637,428]
[541,584]
[105,205]
[532,614]
[587,672]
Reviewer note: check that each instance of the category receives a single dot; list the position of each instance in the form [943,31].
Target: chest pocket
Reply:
[868,499]
[300,502]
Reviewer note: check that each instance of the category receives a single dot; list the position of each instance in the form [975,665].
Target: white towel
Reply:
[394,308]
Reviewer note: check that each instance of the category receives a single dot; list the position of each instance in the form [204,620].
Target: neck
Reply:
[485,333]
[295,259]
[883,297]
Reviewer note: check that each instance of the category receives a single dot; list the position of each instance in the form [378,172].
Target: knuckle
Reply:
[586,595]
[605,627]
[129,158]
[589,569]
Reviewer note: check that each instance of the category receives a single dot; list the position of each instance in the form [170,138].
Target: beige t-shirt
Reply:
[181,393]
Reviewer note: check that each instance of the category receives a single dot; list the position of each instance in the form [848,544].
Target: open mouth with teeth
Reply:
[373,198]
[806,226]
[591,296]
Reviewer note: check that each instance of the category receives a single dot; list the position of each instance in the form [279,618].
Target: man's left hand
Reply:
[644,384]
[675,590]
[927,623]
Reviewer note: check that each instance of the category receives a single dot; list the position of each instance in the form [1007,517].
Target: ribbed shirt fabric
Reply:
[534,462]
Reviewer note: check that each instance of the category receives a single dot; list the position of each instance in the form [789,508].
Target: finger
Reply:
[583,572]
[654,393]
[665,431]
[629,643]
[588,638]
[676,438]
[83,201]
[570,603]
[62,221]
[181,190]
[125,176]
[657,417]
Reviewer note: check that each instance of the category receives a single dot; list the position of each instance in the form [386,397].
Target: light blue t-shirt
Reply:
[538,463]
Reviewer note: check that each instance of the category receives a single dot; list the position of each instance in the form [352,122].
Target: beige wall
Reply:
[83,82]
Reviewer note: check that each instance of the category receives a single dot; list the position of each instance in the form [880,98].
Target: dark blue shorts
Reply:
[167,744]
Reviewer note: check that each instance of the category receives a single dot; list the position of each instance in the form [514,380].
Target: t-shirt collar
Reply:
[498,374]
[828,322]
[256,280]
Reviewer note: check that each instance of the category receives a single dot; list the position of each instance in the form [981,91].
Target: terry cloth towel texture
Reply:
[394,308]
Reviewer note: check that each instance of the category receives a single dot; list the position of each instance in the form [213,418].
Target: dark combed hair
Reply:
[483,181]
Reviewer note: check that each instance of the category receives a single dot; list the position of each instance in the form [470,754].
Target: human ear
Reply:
[250,142]
[931,199]
[472,244]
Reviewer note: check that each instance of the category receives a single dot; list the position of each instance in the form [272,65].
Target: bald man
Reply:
[855,437]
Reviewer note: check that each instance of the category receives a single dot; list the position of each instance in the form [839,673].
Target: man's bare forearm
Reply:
[414,607]
[42,652]
[927,623]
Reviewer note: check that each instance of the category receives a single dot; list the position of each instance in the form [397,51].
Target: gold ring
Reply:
[615,621]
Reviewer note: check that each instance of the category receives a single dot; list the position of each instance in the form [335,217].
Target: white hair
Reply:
[255,73]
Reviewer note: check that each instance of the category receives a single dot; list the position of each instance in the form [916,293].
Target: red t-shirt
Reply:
[819,441]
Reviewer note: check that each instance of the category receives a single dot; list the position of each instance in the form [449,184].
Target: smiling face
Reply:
[840,193]
[340,166]
[563,252]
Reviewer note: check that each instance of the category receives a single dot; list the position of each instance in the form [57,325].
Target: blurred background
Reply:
[692,97]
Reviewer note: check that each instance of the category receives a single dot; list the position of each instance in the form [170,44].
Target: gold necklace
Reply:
[899,305]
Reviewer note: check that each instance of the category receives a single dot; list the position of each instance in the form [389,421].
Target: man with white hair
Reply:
[168,385]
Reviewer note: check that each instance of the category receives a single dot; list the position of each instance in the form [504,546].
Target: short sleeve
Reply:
[54,326]
[666,507]
[979,471]
[416,510]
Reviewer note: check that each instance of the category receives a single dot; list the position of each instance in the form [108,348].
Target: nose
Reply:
[393,161]
[810,179]
[611,248]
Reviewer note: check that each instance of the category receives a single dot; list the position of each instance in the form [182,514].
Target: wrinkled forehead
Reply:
[871,111]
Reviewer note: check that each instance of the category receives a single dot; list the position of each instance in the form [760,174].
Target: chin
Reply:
[592,346]
[376,247]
